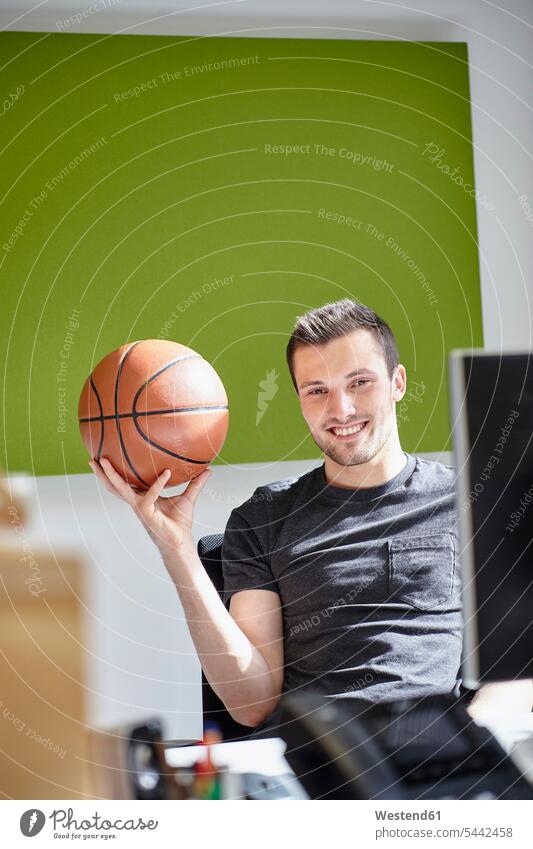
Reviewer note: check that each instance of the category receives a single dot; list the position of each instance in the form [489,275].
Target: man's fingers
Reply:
[121,486]
[102,477]
[140,499]
[155,490]
[197,484]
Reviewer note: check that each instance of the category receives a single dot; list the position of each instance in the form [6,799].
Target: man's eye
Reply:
[360,382]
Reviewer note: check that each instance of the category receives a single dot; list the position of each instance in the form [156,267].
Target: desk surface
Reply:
[509,730]
[263,756]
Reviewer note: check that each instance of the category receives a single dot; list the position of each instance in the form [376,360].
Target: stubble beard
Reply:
[346,455]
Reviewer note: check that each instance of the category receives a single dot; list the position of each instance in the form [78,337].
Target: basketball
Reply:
[154,405]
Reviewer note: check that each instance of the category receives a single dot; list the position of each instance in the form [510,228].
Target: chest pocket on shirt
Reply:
[421,570]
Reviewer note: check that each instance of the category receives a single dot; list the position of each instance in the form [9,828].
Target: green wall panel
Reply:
[194,188]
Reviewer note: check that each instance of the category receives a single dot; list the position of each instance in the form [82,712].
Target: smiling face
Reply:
[347,397]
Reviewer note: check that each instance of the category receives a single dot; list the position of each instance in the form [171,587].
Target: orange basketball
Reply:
[154,405]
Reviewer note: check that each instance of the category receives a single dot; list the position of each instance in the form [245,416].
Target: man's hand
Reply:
[168,521]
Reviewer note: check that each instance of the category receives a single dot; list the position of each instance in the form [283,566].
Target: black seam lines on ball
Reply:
[135,415]
[101,418]
[140,414]
[117,419]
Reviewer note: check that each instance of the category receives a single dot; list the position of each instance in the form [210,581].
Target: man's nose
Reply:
[342,405]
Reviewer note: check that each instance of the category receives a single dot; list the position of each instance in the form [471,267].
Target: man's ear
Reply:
[399,383]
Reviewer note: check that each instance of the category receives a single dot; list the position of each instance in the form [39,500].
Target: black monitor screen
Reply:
[496,466]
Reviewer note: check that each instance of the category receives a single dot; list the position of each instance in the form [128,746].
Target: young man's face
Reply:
[333,397]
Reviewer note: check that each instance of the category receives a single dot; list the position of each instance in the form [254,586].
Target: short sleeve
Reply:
[245,555]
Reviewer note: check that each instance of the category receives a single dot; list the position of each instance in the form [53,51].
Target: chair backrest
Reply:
[210,553]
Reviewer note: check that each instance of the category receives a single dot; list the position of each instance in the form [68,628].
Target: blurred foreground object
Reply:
[42,731]
[425,748]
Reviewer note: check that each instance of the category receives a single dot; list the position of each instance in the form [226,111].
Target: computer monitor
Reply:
[491,398]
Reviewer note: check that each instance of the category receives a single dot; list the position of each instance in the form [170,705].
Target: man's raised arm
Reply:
[241,652]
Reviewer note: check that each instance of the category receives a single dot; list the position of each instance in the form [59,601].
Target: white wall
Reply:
[144,660]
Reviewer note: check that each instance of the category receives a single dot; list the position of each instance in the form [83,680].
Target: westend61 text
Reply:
[407,815]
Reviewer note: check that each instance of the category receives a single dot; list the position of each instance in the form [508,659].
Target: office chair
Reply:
[210,553]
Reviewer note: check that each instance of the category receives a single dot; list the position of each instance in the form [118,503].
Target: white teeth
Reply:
[346,431]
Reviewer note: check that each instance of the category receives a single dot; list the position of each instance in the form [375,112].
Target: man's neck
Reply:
[382,468]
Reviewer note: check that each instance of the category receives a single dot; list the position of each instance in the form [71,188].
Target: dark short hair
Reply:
[321,325]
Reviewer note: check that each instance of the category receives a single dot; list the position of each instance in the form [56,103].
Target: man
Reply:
[359,553]
[343,580]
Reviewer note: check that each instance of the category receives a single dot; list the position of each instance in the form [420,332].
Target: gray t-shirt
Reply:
[368,580]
